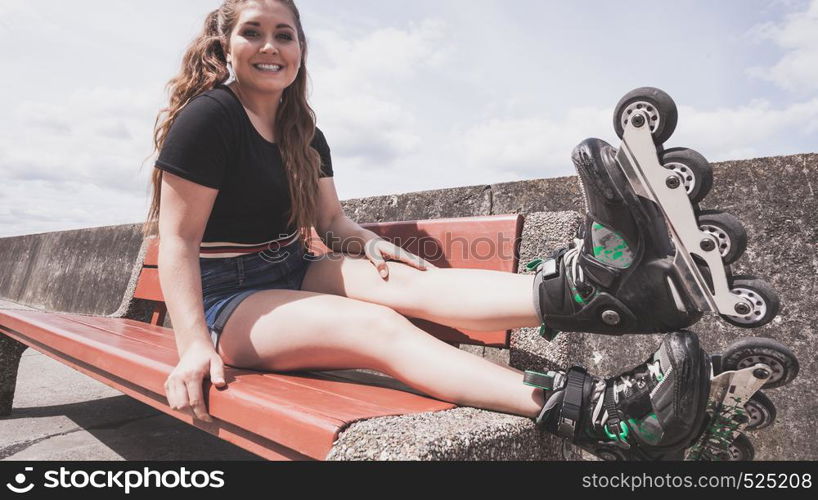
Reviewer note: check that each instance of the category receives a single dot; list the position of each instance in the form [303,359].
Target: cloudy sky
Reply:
[412,96]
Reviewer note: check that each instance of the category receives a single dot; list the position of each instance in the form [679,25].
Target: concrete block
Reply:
[460,434]
[83,271]
[438,204]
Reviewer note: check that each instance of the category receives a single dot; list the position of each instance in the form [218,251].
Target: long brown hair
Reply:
[204,65]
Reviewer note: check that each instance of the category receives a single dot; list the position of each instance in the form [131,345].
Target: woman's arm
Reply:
[338,232]
[347,236]
[185,208]
[342,234]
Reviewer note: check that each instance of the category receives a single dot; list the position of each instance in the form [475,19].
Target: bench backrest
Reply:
[490,243]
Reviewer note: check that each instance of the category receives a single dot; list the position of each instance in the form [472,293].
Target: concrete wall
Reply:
[84,271]
[88,271]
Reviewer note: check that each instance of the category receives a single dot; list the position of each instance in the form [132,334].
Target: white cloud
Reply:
[357,89]
[75,161]
[37,206]
[533,147]
[798,36]
[540,146]
[746,131]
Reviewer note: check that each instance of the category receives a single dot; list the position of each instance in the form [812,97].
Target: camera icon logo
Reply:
[20,479]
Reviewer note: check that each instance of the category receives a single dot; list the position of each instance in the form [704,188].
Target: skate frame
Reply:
[729,392]
[639,160]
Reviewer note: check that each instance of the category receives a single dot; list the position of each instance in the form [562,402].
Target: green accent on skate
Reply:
[622,436]
[645,430]
[660,377]
[548,333]
[538,386]
[534,264]
[610,248]
[578,299]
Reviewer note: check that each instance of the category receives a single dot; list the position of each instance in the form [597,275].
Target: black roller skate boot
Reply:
[647,259]
[653,412]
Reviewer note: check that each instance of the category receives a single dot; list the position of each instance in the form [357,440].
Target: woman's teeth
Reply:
[275,68]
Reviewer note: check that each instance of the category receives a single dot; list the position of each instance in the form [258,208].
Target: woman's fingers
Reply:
[380,265]
[374,252]
[184,387]
[412,259]
[176,393]
[196,399]
[379,250]
[217,371]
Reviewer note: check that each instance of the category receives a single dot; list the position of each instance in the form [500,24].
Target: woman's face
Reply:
[265,34]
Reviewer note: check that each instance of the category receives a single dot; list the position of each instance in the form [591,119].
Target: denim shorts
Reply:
[227,282]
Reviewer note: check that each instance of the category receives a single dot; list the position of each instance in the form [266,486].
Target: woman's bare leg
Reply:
[286,330]
[461,298]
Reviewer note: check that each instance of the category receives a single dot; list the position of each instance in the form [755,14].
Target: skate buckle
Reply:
[566,427]
[620,439]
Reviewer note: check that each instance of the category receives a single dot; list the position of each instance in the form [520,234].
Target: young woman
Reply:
[243,174]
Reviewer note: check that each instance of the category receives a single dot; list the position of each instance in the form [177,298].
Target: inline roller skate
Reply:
[651,412]
[679,404]
[647,259]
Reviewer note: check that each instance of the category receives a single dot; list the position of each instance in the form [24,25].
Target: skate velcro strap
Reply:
[546,381]
[609,403]
[572,404]
[546,270]
[615,428]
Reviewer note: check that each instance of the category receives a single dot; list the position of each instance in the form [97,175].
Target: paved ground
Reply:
[61,414]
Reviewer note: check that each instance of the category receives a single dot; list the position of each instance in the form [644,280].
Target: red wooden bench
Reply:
[294,416]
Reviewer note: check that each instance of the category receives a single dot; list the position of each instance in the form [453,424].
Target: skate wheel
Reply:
[694,170]
[728,232]
[741,449]
[761,412]
[765,302]
[751,351]
[660,108]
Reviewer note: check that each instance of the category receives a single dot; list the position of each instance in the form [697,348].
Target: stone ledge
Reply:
[459,434]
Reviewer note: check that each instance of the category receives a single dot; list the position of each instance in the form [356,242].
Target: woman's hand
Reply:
[378,250]
[184,385]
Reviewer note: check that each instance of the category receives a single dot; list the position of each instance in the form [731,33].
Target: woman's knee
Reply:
[374,323]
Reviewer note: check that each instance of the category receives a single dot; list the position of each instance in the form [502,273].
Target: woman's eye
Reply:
[285,36]
[250,32]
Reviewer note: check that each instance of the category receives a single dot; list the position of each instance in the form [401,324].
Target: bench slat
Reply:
[162,338]
[148,286]
[158,336]
[298,412]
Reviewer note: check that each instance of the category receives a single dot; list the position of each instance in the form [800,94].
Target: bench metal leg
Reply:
[10,353]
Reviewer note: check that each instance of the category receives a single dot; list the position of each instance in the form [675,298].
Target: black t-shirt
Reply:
[213,143]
